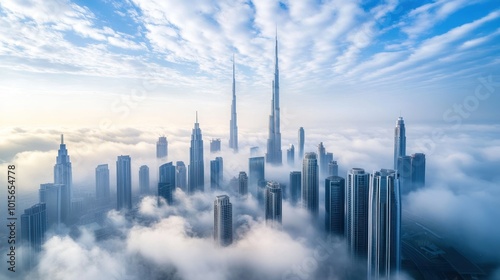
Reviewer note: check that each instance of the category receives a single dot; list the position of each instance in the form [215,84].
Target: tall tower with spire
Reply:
[196,170]
[273,155]
[399,141]
[233,124]
[63,176]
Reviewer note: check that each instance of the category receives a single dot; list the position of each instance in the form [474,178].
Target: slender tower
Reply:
[274,155]
[310,184]
[233,124]
[399,141]
[196,169]
[301,143]
[223,221]
[123,183]
[63,175]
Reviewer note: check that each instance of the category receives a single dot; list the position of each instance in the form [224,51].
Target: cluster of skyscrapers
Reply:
[364,208]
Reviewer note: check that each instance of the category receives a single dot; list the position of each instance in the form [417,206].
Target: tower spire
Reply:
[62,138]
[196,116]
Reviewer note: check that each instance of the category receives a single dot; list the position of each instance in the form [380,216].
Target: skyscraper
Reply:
[273,204]
[310,183]
[62,175]
[102,193]
[223,221]
[233,123]
[256,170]
[166,182]
[290,155]
[295,183]
[384,225]
[162,147]
[33,228]
[216,173]
[51,195]
[418,170]
[357,212]
[333,168]
[274,155]
[301,143]
[144,180]
[405,174]
[123,183]
[215,145]
[181,175]
[196,169]
[323,168]
[399,141]
[335,205]
[243,183]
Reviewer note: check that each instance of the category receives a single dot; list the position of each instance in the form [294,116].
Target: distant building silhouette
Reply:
[144,180]
[357,212]
[411,170]
[63,175]
[418,170]
[215,145]
[223,221]
[166,182]
[335,205]
[256,170]
[384,226]
[181,175]
[216,173]
[274,199]
[323,165]
[196,168]
[243,183]
[290,155]
[301,143]
[162,147]
[102,191]
[123,183]
[33,228]
[233,123]
[399,141]
[254,151]
[51,195]
[333,168]
[274,154]
[295,186]
[310,183]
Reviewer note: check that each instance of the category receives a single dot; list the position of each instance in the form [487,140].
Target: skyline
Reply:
[141,67]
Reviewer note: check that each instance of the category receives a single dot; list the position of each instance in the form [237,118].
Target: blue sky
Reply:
[129,62]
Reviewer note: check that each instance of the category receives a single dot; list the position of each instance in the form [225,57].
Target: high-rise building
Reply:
[233,123]
[405,171]
[335,205]
[384,225]
[196,169]
[301,143]
[216,173]
[256,170]
[243,183]
[295,183]
[62,175]
[144,180]
[51,195]
[123,183]
[357,212]
[102,193]
[418,170]
[254,151]
[274,155]
[290,155]
[223,221]
[33,228]
[162,147]
[215,145]
[310,183]
[399,141]
[273,204]
[322,160]
[166,182]
[181,175]
[333,168]
[328,159]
